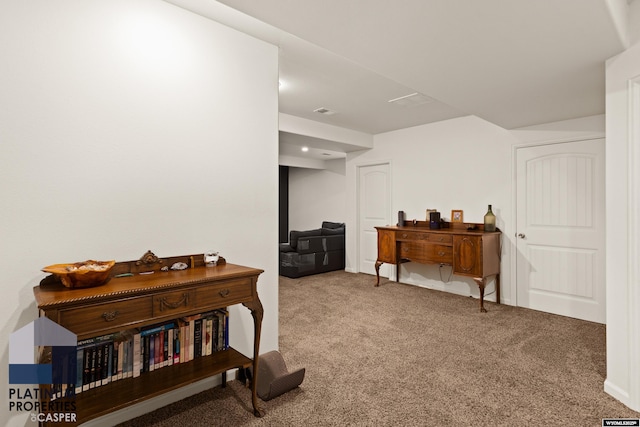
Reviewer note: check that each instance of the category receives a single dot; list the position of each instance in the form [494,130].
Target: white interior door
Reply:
[374,191]
[560,229]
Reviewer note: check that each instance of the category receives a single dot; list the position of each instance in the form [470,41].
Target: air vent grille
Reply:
[324,111]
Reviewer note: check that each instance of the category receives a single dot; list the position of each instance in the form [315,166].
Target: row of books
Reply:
[128,354]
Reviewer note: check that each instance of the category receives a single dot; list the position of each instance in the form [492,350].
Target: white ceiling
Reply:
[512,62]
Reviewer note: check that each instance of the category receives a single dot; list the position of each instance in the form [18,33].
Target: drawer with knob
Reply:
[440,254]
[445,239]
[107,316]
[225,293]
[408,236]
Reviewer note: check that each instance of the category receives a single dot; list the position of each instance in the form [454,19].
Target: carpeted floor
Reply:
[404,355]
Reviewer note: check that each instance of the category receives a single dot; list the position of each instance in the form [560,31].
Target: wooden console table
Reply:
[474,253]
[139,300]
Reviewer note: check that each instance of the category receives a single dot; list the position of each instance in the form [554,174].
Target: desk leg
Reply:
[498,288]
[257,313]
[378,264]
[480,282]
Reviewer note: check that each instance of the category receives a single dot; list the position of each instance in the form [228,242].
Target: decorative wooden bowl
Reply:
[82,274]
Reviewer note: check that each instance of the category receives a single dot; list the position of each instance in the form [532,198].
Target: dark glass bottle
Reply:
[489,220]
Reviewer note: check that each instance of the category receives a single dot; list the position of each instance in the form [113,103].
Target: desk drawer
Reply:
[412,250]
[438,254]
[224,294]
[427,253]
[174,302]
[408,236]
[425,237]
[440,238]
[98,317]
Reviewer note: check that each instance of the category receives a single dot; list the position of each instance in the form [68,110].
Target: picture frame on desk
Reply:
[457,216]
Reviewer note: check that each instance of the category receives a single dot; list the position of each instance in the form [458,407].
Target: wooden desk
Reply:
[142,300]
[473,253]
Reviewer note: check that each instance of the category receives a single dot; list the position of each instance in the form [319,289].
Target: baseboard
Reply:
[617,392]
[156,403]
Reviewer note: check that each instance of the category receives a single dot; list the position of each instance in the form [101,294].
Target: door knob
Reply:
[522,236]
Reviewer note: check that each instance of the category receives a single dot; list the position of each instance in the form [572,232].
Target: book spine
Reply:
[183,343]
[197,338]
[120,359]
[130,358]
[145,359]
[214,333]
[176,345]
[170,351]
[152,353]
[136,355]
[157,350]
[86,372]
[208,346]
[221,328]
[105,373]
[191,339]
[165,348]
[114,362]
[93,370]
[79,369]
[226,330]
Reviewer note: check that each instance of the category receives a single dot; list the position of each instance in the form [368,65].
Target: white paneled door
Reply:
[560,236]
[374,194]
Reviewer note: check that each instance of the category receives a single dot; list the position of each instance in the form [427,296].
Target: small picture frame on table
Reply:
[457,216]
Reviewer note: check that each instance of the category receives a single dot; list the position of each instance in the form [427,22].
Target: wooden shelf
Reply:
[122,393]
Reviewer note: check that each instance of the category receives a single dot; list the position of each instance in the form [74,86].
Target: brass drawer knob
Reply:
[110,316]
[223,293]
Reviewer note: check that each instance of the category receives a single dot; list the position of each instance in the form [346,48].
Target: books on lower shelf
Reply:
[131,353]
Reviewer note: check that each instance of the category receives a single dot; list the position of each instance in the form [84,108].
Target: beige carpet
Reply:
[404,355]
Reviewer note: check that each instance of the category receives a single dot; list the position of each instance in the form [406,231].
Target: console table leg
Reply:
[378,264]
[257,312]
[480,282]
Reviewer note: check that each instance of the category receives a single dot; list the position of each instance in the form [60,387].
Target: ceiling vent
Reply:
[412,99]
[324,111]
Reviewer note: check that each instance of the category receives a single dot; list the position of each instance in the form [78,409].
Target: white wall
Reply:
[317,195]
[123,128]
[464,163]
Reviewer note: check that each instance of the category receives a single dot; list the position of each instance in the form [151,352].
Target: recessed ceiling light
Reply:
[305,149]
